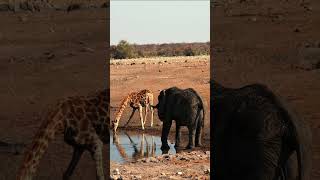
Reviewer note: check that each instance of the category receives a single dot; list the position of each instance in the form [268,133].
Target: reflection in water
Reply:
[130,147]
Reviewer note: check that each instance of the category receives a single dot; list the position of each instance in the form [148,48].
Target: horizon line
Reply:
[184,42]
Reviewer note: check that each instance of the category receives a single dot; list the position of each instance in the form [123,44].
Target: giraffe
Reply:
[137,100]
[84,122]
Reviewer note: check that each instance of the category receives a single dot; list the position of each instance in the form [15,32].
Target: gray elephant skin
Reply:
[184,106]
[255,134]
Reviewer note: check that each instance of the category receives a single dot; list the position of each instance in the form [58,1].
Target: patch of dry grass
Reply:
[159,60]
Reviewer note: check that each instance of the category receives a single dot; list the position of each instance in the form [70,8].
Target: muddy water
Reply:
[130,146]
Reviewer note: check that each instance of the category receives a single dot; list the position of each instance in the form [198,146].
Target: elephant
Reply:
[184,106]
[255,134]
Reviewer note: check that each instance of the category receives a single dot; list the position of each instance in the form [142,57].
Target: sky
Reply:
[145,22]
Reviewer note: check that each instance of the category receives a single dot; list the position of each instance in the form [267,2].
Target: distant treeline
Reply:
[125,50]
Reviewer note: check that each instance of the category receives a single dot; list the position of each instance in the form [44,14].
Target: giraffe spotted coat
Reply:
[84,121]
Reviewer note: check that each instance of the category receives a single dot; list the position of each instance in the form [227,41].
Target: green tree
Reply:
[123,50]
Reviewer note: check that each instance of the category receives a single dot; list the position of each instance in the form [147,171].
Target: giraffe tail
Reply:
[123,105]
[39,146]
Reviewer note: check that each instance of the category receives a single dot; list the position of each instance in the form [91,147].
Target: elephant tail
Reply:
[201,108]
[200,105]
[203,116]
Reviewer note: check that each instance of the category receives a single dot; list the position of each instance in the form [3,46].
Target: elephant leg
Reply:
[192,132]
[178,134]
[77,152]
[165,132]
[133,111]
[141,117]
[198,132]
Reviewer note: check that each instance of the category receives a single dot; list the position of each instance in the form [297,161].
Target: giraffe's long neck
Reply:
[38,147]
[123,105]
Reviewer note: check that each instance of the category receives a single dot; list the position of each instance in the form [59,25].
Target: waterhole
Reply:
[131,146]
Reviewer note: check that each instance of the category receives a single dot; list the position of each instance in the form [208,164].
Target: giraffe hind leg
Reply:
[133,111]
[146,113]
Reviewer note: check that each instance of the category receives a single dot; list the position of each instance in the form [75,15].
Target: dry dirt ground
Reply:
[185,165]
[157,74]
[251,46]
[45,56]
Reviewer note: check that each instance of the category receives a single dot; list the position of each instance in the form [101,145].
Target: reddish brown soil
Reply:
[256,48]
[46,56]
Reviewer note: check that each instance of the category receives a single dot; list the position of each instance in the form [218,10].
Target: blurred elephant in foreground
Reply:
[254,135]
